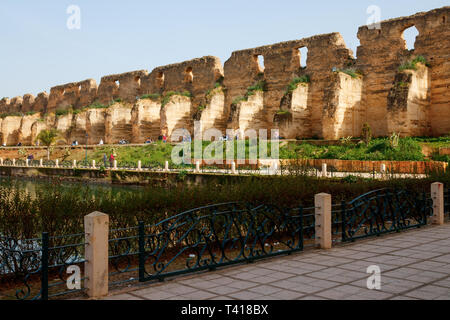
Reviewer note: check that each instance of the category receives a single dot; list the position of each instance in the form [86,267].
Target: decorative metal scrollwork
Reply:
[217,235]
[383,211]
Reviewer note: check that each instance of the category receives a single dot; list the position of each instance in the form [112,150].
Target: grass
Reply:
[378,149]
[408,149]
[296,82]
[283,112]
[168,96]
[412,64]
[11,114]
[217,88]
[352,72]
[260,86]
[152,96]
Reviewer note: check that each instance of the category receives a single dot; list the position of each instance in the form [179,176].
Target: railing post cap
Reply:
[96,214]
[322,194]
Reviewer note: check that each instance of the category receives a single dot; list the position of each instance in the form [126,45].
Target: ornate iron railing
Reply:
[39,266]
[217,235]
[382,211]
[205,238]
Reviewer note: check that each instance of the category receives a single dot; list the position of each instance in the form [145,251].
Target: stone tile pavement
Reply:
[414,265]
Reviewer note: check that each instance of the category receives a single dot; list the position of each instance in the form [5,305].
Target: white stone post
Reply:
[74,164]
[383,168]
[197,166]
[115,164]
[41,162]
[274,167]
[27,162]
[96,228]
[1,161]
[13,162]
[57,163]
[233,167]
[166,166]
[93,164]
[437,194]
[139,165]
[322,203]
[324,169]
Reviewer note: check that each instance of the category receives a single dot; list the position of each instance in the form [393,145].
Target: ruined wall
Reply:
[293,120]
[72,95]
[10,130]
[146,120]
[409,101]
[117,124]
[281,65]
[176,114]
[196,76]
[124,86]
[383,50]
[213,115]
[249,115]
[95,126]
[331,105]
[25,131]
[342,111]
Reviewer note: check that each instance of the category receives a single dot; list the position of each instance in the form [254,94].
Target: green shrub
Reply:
[11,114]
[354,73]
[412,65]
[168,96]
[63,112]
[295,82]
[366,133]
[152,96]
[259,86]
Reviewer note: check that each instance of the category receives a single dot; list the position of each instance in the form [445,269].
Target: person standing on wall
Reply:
[105,160]
[111,160]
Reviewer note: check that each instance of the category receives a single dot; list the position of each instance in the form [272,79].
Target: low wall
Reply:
[418,167]
[444,151]
[125,177]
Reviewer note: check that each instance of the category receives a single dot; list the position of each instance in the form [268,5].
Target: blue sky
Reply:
[38,51]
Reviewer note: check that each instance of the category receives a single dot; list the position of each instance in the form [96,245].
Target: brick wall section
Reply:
[419,167]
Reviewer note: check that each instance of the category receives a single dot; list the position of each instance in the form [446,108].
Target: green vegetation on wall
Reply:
[259,86]
[296,82]
[412,65]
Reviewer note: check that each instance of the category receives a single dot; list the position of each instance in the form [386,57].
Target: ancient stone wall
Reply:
[342,92]
[381,53]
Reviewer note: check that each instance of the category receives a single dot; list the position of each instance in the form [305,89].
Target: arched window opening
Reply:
[117,83]
[303,55]
[160,79]
[189,76]
[259,59]
[137,80]
[409,35]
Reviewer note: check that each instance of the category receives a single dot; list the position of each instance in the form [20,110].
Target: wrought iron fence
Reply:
[38,267]
[217,235]
[382,211]
[205,238]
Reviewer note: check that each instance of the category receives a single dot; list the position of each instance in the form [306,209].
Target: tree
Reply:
[48,138]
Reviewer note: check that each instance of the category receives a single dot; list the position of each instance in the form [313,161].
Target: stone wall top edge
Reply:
[407,21]
[304,42]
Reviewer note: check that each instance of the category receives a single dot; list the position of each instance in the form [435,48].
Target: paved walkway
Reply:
[414,265]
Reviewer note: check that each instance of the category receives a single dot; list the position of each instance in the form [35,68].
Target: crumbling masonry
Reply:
[336,95]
